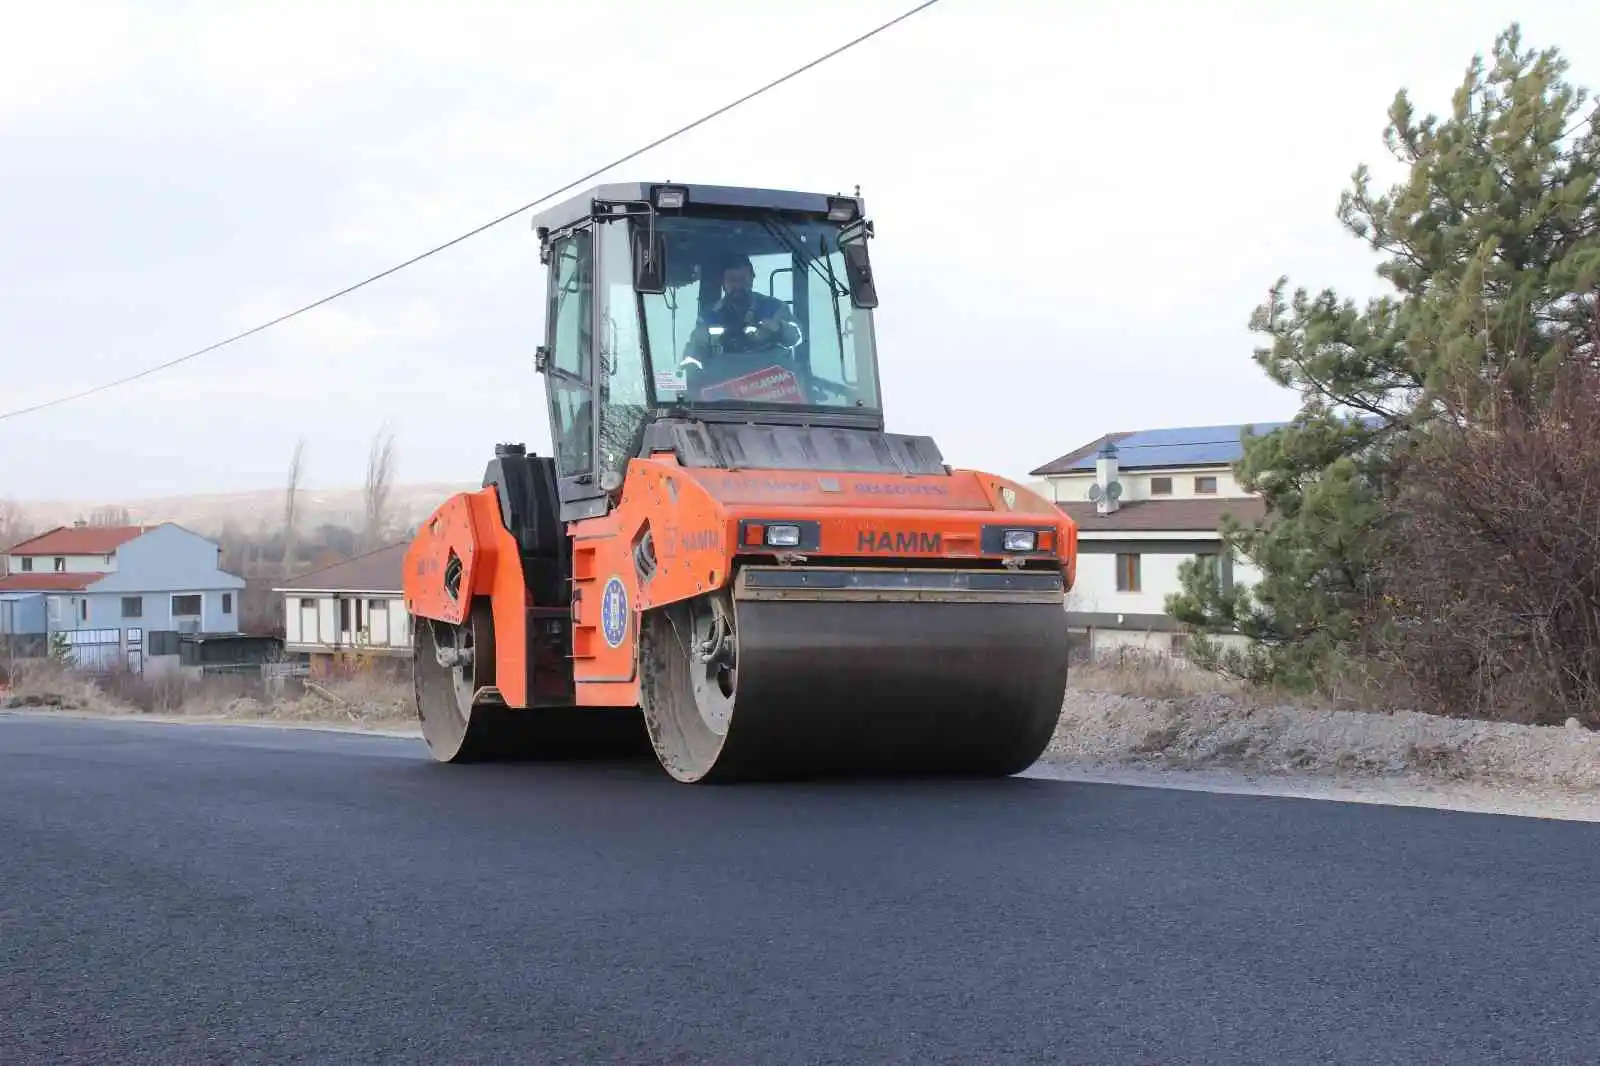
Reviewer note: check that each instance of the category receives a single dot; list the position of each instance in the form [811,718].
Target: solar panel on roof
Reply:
[1182,435]
[1183,446]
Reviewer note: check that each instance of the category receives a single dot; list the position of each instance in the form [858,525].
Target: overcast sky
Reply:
[1077,206]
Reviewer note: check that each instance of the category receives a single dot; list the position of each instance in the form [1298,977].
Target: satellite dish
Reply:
[1114,491]
[1094,492]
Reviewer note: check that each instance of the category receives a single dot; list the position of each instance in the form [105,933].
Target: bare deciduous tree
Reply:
[110,515]
[15,527]
[1491,595]
[291,502]
[376,490]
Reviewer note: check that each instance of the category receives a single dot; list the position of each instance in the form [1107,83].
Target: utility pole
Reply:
[8,615]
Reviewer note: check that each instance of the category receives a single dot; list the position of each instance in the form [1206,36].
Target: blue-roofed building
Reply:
[1145,501]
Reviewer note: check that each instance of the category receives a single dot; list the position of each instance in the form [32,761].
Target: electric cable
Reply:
[658,142]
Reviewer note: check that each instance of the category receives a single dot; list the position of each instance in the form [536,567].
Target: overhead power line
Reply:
[574,183]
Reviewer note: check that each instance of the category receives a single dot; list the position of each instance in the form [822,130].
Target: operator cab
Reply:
[702,304]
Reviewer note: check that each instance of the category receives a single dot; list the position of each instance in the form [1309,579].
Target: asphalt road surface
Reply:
[175,894]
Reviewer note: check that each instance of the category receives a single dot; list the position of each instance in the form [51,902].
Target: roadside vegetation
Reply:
[362,697]
[1433,537]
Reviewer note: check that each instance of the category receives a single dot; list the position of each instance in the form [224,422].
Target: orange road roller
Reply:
[728,560]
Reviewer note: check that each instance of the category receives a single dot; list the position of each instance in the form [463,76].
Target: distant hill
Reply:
[251,512]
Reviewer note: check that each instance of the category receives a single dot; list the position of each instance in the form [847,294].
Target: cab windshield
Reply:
[757,312]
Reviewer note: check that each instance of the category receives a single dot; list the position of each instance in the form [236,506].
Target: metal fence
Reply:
[275,677]
[95,650]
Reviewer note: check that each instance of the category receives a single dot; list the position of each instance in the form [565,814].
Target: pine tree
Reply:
[1491,244]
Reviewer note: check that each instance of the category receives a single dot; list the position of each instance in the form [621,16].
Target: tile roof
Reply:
[1147,449]
[1157,516]
[80,540]
[51,582]
[376,571]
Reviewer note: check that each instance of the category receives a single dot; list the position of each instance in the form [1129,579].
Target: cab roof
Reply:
[580,206]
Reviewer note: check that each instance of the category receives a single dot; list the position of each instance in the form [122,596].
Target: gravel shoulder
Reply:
[1221,742]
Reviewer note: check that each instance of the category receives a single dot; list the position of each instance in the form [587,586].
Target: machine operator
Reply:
[744,320]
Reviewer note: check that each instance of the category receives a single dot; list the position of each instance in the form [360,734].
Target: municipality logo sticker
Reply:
[614,612]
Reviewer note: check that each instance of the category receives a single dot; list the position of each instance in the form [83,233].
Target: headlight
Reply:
[1019,540]
[783,536]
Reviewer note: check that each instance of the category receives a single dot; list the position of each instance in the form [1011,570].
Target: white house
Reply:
[1145,502]
[116,594]
[355,606]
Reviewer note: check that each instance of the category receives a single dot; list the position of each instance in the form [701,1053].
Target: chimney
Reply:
[1108,489]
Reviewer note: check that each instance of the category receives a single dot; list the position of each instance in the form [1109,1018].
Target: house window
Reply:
[60,565]
[1161,486]
[27,565]
[186,606]
[133,606]
[1206,486]
[378,606]
[227,603]
[1127,572]
[308,604]
[1214,561]
[83,609]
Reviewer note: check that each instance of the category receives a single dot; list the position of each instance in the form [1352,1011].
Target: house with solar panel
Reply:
[116,596]
[1146,501]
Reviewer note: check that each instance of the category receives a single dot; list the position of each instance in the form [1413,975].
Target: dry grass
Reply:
[1130,672]
[364,700]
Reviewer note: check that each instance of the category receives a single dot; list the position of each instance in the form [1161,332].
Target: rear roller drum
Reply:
[767,689]
[452,665]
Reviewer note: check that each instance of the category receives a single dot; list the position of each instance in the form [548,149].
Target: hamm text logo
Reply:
[901,543]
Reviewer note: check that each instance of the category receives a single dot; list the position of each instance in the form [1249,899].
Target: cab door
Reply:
[568,364]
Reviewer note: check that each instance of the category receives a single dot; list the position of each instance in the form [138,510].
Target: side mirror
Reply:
[649,261]
[857,264]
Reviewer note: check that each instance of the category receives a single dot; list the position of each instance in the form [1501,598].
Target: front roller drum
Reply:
[807,673]
[463,719]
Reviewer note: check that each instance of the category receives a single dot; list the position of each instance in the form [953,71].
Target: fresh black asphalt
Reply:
[184,894]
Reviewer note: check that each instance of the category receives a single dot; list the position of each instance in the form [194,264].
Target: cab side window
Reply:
[624,401]
[572,354]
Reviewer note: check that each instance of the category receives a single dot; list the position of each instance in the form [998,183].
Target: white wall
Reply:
[1096,587]
[75,564]
[1112,641]
[1074,488]
[318,625]
[1244,572]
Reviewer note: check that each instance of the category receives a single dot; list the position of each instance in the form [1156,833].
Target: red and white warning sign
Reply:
[775,384]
